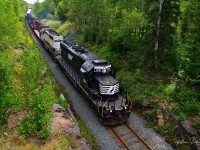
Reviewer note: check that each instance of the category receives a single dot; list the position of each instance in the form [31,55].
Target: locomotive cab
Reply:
[105,82]
[99,79]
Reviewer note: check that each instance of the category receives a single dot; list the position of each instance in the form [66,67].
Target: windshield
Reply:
[102,71]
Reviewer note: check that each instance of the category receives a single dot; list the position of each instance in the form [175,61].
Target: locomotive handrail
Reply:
[100,99]
[104,106]
[129,101]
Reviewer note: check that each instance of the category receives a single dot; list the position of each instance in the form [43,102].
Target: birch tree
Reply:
[157,34]
[163,19]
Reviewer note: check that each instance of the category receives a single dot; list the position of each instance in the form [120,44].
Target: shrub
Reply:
[49,16]
[151,115]
[185,95]
[169,89]
[176,108]
[37,121]
[181,117]
[165,129]
[192,108]
[197,124]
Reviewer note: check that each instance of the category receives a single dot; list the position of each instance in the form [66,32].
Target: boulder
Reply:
[187,128]
[62,122]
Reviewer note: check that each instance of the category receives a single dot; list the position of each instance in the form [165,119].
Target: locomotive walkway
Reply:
[84,110]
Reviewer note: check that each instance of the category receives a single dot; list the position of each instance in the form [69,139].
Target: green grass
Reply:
[165,129]
[86,132]
[197,123]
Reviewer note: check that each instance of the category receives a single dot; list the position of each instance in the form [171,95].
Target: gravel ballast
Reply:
[84,110]
[156,141]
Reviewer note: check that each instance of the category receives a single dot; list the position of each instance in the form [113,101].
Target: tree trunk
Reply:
[157,35]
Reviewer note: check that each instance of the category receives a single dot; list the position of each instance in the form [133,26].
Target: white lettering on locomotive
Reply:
[70,56]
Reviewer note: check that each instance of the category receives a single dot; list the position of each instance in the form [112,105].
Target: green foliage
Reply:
[176,108]
[52,23]
[192,108]
[163,20]
[4,87]
[165,129]
[189,48]
[129,30]
[25,84]
[8,34]
[50,16]
[2,128]
[37,86]
[44,9]
[197,124]
[63,28]
[151,115]
[9,99]
[169,89]
[181,117]
[184,95]
[87,133]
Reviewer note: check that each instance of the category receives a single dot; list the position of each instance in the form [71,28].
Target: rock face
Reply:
[62,122]
[191,134]
[160,119]
[187,128]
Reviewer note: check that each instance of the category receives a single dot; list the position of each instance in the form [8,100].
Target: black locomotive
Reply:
[94,76]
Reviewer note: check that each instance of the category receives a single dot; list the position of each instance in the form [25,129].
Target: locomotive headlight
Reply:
[111,108]
[104,70]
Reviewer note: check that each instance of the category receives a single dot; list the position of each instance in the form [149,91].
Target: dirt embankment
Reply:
[65,133]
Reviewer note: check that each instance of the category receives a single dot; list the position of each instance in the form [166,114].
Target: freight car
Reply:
[94,76]
[38,26]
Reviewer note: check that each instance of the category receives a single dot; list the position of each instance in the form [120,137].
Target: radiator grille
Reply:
[109,89]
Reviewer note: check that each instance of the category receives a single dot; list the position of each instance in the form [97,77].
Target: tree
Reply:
[189,48]
[163,19]
[8,9]
[10,16]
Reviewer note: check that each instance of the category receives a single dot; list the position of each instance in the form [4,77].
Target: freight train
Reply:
[94,76]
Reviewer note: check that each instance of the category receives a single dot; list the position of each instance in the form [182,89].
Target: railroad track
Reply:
[128,139]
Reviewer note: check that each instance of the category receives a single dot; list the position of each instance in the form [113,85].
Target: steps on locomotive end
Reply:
[127,138]
[100,103]
[117,103]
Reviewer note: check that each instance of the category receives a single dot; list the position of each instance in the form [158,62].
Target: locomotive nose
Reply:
[119,117]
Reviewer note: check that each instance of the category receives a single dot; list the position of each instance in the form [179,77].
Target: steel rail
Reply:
[138,137]
[122,141]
